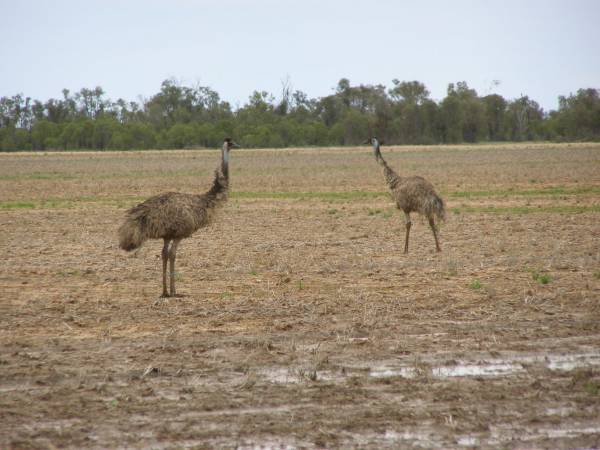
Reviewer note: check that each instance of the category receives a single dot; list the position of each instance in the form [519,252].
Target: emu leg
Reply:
[408,224]
[172,256]
[165,257]
[434,229]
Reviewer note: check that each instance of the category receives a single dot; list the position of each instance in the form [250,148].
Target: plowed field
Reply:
[302,324]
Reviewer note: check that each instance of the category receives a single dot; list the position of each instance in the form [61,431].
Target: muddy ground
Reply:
[302,324]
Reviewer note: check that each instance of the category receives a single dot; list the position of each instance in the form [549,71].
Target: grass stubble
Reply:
[298,297]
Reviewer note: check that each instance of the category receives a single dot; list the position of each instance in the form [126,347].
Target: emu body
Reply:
[412,194]
[174,216]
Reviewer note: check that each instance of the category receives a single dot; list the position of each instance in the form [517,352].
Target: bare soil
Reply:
[302,324]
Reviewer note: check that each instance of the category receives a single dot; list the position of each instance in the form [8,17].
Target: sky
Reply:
[539,48]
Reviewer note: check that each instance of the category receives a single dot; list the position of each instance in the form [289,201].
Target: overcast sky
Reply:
[540,48]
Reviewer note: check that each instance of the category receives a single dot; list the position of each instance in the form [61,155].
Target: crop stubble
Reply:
[303,324]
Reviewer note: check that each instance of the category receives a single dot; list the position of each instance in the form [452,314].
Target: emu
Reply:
[173,216]
[412,194]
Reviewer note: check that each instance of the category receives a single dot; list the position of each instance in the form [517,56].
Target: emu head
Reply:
[373,141]
[228,144]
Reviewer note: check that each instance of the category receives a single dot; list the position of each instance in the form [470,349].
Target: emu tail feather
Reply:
[434,207]
[131,234]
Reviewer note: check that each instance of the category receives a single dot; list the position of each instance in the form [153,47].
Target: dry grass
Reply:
[296,296]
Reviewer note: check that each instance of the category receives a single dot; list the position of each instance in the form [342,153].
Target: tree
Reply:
[524,117]
[44,134]
[180,116]
[104,128]
[495,110]
[355,126]
[462,114]
[413,113]
[91,103]
[14,139]
[578,116]
[180,135]
[77,135]
[411,92]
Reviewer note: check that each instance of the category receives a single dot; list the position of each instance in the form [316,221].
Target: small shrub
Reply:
[475,284]
[544,278]
[592,387]
[541,278]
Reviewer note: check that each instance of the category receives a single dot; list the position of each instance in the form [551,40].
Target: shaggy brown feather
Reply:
[412,194]
[174,216]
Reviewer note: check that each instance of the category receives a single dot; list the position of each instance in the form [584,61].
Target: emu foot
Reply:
[159,301]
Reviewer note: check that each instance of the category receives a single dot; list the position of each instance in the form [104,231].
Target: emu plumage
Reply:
[412,194]
[174,216]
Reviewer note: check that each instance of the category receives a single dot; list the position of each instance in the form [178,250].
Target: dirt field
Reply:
[303,325]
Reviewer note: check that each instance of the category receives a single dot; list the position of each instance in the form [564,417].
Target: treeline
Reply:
[182,116]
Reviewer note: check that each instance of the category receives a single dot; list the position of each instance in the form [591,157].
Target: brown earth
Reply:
[303,325]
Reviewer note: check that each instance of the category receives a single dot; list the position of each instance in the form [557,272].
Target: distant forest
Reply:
[187,117]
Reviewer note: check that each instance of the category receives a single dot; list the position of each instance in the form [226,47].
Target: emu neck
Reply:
[220,186]
[390,176]
[225,162]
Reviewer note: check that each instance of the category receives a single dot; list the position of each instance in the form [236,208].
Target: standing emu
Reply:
[412,194]
[174,216]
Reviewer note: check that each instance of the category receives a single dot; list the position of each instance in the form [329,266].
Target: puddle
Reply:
[272,445]
[280,376]
[569,432]
[22,387]
[472,370]
[226,443]
[385,371]
[410,435]
[244,444]
[496,367]
[570,362]
[490,367]
[467,441]
[427,437]
[563,411]
[408,438]
[501,434]
[482,368]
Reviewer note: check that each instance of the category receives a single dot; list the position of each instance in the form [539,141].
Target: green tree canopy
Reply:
[180,116]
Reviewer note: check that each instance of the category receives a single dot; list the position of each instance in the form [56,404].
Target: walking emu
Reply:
[173,216]
[412,194]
